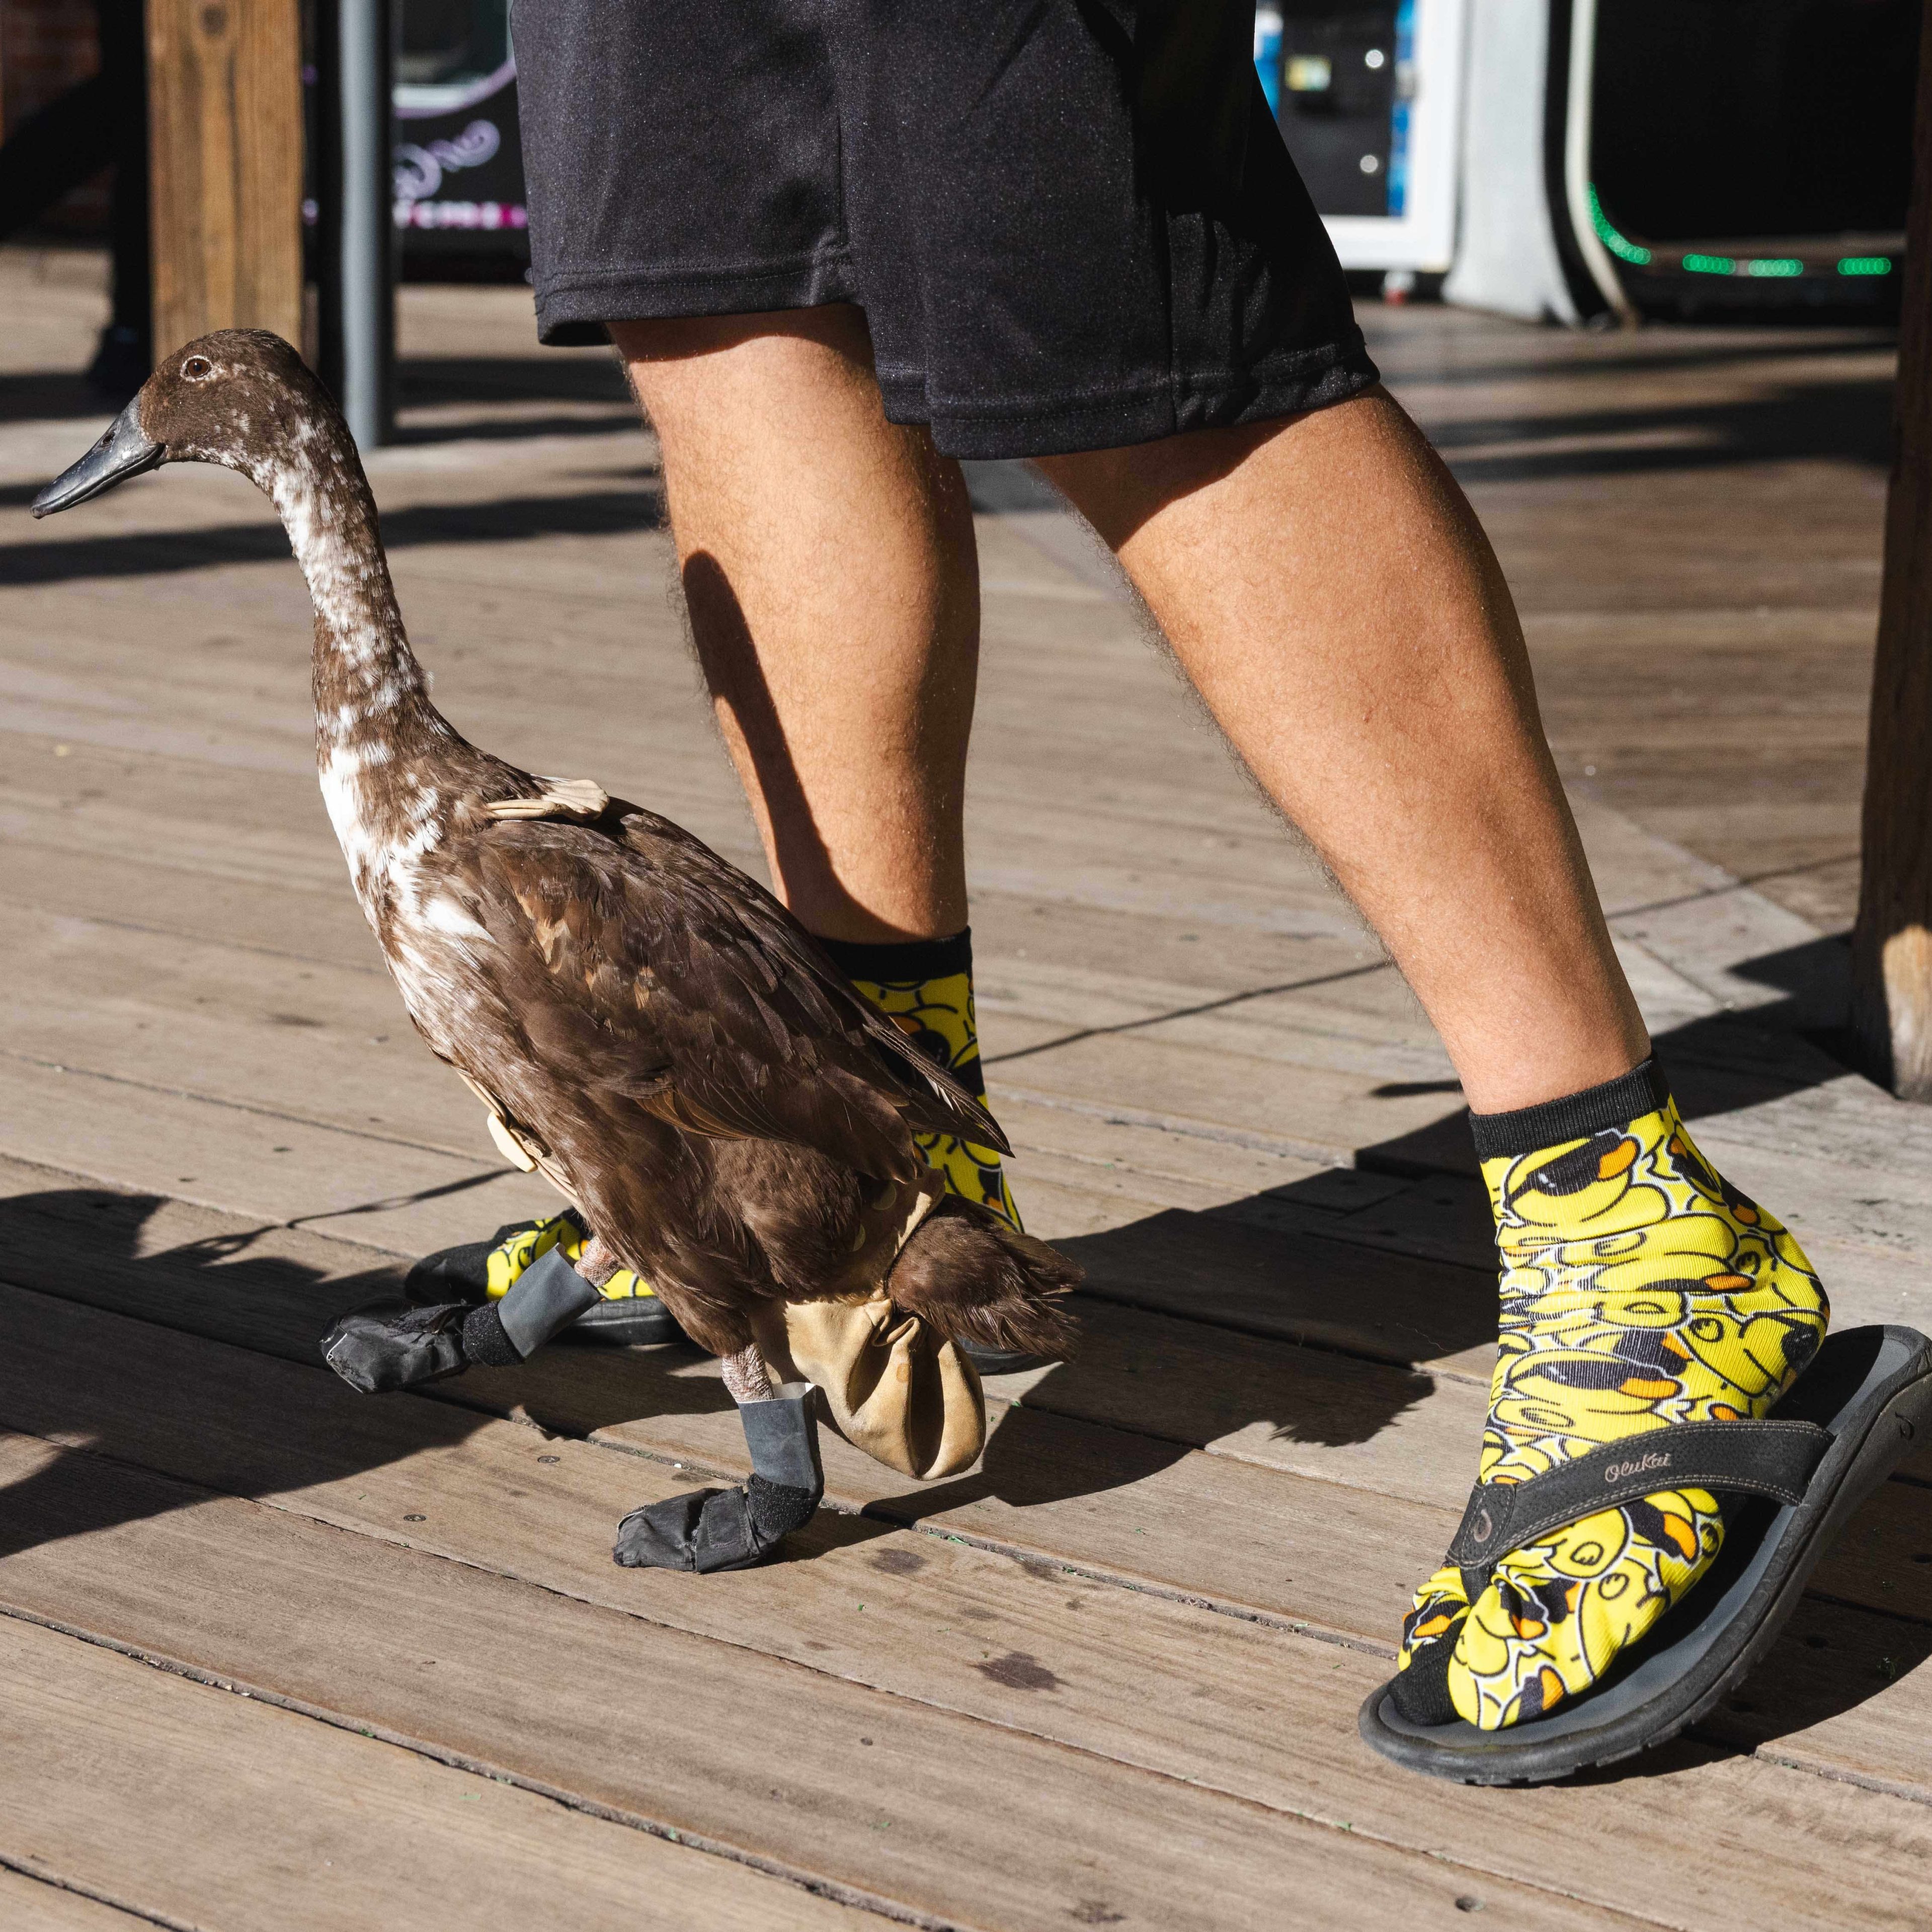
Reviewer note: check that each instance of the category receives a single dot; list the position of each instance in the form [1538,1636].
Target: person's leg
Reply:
[1332,596]
[828,565]
[829,569]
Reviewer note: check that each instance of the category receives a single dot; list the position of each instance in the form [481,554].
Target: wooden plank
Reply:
[200,1807]
[1631,552]
[1322,1006]
[277,1289]
[1249,842]
[272,1167]
[1302,1287]
[964,1821]
[225,112]
[122,892]
[168,1260]
[1812,1704]
[332,1045]
[176,971]
[164,998]
[274,1294]
[1022,1646]
[152,1005]
[1315,1112]
[1318,1042]
[1129,844]
[281,1164]
[29,1904]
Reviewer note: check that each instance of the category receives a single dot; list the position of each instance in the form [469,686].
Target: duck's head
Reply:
[241,397]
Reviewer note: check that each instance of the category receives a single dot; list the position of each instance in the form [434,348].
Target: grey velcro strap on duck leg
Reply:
[782,1434]
[1765,1459]
[548,1296]
[710,1530]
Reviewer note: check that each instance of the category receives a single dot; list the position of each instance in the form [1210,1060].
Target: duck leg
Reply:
[746,1379]
[735,1529]
[387,1346]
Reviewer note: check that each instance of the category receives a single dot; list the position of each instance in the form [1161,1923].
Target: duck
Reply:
[643,1022]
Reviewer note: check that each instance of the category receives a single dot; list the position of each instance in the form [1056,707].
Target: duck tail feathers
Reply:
[976,1278]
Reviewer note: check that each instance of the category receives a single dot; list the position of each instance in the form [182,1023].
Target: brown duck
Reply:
[643,1021]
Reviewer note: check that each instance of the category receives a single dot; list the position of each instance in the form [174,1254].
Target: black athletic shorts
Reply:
[1040,273]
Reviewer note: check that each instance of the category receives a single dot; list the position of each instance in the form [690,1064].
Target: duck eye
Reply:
[197,368]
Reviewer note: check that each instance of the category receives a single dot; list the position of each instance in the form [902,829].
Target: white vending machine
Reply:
[1369,96]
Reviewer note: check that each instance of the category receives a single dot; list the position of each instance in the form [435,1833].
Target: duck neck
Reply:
[382,749]
[368,685]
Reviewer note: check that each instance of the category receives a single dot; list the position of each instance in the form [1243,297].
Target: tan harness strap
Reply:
[560,798]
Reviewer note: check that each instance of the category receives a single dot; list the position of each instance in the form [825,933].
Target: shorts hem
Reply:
[577,307]
[1284,386]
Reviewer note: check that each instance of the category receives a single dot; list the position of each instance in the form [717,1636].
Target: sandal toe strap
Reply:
[1766,1459]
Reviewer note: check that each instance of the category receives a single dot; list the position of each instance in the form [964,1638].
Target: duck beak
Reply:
[125,451]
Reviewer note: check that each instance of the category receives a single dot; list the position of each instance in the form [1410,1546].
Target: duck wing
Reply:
[633,959]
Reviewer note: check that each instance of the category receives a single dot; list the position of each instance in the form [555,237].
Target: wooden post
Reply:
[224,80]
[1891,945]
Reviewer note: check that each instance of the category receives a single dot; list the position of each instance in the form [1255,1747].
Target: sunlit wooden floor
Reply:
[276,1656]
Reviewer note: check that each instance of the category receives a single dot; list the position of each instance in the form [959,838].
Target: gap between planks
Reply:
[35,1899]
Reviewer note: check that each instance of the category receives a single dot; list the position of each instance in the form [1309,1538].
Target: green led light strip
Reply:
[1619,245]
[1776,268]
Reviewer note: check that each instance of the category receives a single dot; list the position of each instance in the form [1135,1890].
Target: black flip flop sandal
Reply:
[1838,1432]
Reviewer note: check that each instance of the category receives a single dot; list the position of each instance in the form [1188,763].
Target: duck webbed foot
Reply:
[392,1345]
[708,1530]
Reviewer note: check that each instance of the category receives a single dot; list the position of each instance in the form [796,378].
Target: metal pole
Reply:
[364,65]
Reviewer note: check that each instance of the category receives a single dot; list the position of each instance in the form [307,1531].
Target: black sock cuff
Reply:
[485,1340]
[1643,1089]
[904,960]
[777,1509]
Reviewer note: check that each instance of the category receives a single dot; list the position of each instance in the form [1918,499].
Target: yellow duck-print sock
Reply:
[520,1246]
[1639,1290]
[926,986]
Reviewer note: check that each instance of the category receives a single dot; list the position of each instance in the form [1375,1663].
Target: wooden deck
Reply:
[278,1656]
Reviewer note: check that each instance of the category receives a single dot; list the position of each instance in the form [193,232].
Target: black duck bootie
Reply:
[391,1346]
[736,1529]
